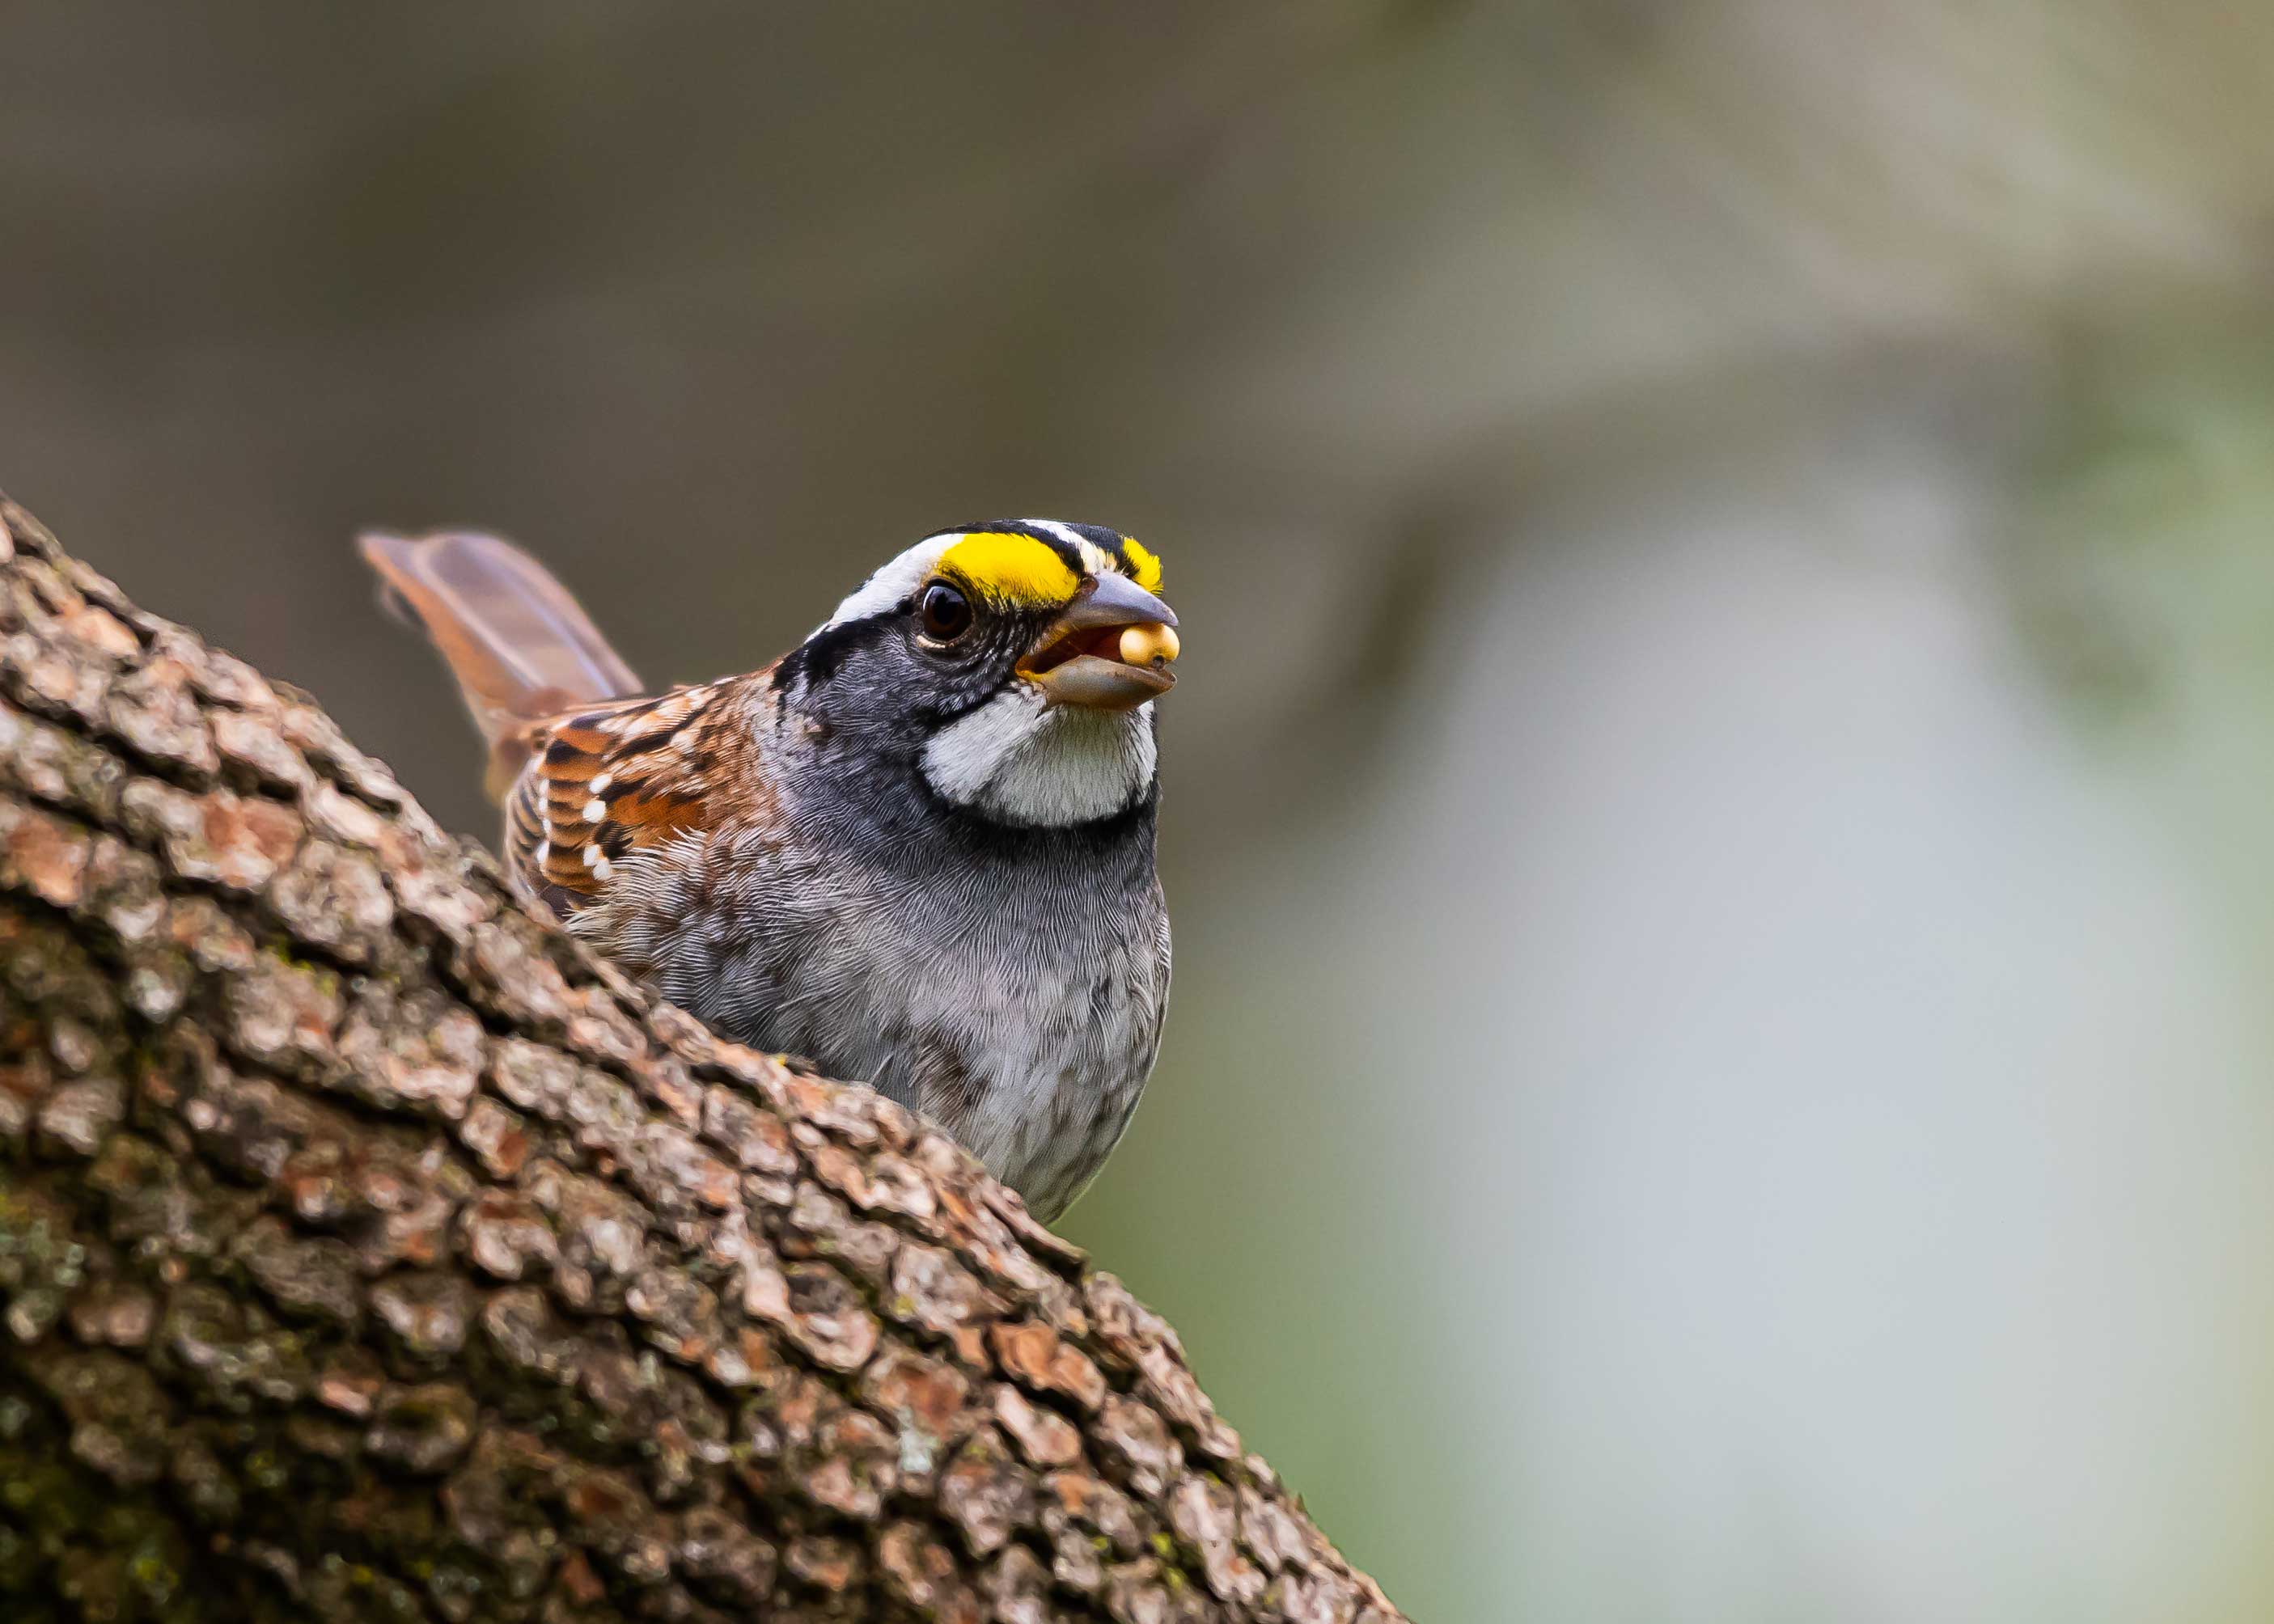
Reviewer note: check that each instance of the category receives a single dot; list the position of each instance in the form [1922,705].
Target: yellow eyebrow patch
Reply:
[1147,567]
[1011,569]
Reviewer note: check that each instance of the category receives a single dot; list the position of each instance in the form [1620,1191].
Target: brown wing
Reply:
[609,780]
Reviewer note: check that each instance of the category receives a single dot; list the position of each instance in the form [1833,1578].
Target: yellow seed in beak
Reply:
[1149,644]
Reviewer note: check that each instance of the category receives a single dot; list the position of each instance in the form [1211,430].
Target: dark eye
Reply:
[946,612]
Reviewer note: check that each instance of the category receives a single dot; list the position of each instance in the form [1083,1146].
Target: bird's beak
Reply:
[1110,651]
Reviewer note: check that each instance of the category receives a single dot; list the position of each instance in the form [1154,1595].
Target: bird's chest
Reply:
[1020,1009]
[1035,1049]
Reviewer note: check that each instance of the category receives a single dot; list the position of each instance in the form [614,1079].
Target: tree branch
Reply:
[370,1249]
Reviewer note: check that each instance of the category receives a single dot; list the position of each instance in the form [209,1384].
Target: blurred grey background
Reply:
[1718,816]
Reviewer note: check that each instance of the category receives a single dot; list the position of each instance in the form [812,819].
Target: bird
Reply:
[917,850]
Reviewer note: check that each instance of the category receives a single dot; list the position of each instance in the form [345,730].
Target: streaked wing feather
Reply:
[608,781]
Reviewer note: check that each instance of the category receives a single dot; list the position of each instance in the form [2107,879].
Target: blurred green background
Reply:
[1717,817]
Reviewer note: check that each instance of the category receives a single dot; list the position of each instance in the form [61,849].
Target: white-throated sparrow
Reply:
[917,850]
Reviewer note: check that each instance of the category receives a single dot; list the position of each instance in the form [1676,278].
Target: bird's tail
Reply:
[520,646]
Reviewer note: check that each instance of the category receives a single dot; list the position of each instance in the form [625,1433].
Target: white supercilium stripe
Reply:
[896,581]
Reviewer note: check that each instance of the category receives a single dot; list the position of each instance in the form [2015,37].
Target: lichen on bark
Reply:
[370,1250]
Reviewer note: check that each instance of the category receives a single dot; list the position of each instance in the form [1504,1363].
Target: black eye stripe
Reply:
[819,657]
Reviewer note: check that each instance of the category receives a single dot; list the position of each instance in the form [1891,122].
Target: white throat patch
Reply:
[1021,761]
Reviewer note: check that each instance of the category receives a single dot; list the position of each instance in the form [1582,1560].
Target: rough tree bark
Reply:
[368,1249]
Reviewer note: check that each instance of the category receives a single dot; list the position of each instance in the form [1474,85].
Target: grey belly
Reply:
[1027,1036]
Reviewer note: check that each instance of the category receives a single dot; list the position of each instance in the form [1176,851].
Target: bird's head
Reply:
[1013,665]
